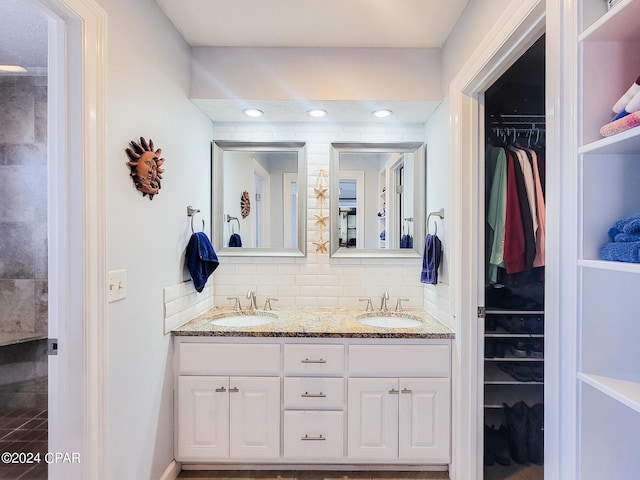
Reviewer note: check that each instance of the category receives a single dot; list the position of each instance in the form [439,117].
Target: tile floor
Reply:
[23,430]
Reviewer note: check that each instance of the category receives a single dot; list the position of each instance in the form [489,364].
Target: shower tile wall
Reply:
[23,238]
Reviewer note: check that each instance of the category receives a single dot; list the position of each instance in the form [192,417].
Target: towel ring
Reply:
[191,212]
[439,213]
[229,218]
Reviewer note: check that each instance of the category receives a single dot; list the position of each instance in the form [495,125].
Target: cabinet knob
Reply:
[221,389]
[406,390]
[234,390]
[393,391]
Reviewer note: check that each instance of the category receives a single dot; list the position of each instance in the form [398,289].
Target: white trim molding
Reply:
[519,26]
[78,376]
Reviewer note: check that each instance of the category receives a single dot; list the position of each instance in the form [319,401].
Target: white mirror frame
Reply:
[419,199]
[218,148]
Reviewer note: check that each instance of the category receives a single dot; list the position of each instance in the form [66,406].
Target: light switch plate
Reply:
[117,285]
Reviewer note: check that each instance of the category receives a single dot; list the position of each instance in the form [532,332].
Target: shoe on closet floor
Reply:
[517,432]
[535,428]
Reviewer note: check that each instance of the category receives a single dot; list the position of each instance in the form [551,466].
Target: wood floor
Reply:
[311,475]
[512,472]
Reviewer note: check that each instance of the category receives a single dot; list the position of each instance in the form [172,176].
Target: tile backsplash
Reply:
[318,280]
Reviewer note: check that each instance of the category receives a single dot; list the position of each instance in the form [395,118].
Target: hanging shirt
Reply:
[497,211]
[538,261]
[514,231]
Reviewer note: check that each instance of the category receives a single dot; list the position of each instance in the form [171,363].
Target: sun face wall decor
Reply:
[245,204]
[145,165]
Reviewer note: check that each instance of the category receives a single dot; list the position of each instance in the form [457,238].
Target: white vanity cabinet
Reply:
[228,417]
[313,402]
[316,401]
[399,418]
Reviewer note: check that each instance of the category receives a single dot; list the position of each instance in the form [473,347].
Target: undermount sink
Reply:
[388,320]
[238,319]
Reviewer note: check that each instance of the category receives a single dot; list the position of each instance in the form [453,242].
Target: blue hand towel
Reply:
[431,259]
[201,259]
[630,224]
[627,237]
[621,252]
[235,240]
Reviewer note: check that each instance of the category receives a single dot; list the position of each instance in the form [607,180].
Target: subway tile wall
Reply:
[318,280]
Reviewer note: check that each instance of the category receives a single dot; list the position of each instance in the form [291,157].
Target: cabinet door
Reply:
[424,419]
[373,418]
[202,418]
[254,413]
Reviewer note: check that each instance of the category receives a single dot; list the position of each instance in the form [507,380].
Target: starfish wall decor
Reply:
[321,219]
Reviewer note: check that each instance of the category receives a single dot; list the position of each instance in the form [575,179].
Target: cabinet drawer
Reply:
[229,359]
[399,360]
[313,435]
[313,359]
[313,393]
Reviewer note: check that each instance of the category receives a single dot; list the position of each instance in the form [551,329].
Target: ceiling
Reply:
[273,23]
[315,23]
[23,35]
[319,24]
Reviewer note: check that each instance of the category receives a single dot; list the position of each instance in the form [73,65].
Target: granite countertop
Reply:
[314,322]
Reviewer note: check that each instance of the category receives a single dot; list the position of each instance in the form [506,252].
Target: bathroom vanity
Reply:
[312,387]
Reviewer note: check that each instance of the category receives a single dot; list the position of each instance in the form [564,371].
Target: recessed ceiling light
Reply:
[317,112]
[382,113]
[253,112]
[12,69]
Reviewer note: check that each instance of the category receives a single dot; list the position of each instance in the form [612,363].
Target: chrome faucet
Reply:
[267,303]
[251,295]
[399,304]
[236,306]
[383,302]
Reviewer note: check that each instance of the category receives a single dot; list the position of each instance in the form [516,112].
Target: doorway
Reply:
[24,230]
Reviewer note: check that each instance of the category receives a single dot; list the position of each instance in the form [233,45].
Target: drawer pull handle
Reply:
[393,391]
[306,360]
[406,390]
[221,389]
[313,395]
[307,437]
[234,390]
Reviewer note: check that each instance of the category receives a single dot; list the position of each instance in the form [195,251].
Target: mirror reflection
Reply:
[378,205]
[259,197]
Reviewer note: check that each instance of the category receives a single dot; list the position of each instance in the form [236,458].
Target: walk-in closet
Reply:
[514,267]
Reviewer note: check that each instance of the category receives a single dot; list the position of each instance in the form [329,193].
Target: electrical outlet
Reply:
[117,285]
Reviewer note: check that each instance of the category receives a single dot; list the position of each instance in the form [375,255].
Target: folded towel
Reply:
[631,224]
[201,259]
[431,259]
[620,125]
[627,237]
[621,252]
[235,240]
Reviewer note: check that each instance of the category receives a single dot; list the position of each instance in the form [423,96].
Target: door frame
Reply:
[514,32]
[78,376]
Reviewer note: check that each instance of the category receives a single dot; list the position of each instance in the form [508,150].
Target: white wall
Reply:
[477,19]
[147,95]
[317,280]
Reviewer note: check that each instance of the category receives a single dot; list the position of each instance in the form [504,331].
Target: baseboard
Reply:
[172,471]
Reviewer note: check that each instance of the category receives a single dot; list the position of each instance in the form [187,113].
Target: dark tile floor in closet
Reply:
[23,430]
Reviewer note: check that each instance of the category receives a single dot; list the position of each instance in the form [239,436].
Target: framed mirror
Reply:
[259,198]
[377,199]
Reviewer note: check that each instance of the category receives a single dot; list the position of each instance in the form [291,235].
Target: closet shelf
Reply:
[610,266]
[627,142]
[494,376]
[513,335]
[626,392]
[617,24]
